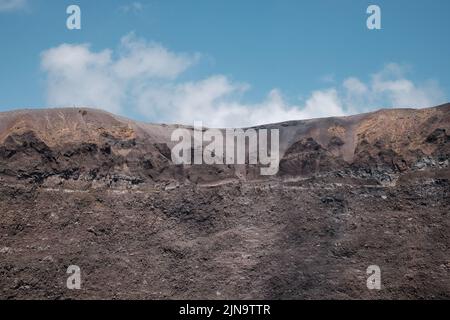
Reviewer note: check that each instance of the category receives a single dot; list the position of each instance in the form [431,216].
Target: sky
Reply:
[228,63]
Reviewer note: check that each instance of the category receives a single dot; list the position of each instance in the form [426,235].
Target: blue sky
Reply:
[226,62]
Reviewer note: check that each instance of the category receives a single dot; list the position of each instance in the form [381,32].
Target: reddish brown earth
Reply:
[84,187]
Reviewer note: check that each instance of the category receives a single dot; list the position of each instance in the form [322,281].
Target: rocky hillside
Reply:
[88,188]
[94,147]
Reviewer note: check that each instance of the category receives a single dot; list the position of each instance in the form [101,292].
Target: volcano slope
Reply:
[84,187]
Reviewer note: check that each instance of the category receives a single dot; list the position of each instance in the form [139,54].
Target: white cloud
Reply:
[11,5]
[135,6]
[78,76]
[391,84]
[216,102]
[141,59]
[354,86]
[389,88]
[190,101]
[144,78]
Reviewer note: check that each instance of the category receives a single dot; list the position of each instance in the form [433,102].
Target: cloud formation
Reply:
[135,7]
[12,5]
[78,76]
[144,78]
[390,88]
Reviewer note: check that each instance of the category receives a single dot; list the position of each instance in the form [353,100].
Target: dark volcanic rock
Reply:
[307,157]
